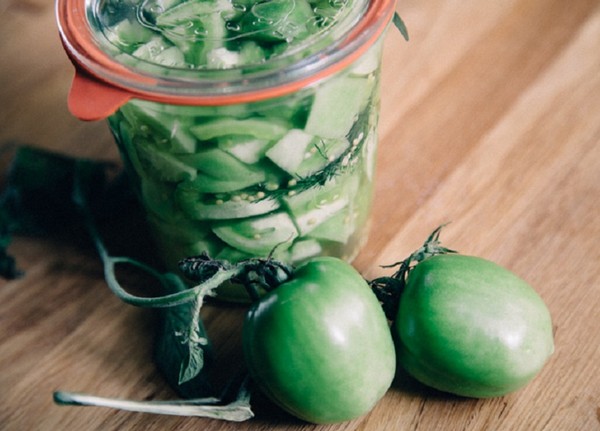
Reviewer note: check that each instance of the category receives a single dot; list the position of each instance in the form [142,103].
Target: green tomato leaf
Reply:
[39,186]
[36,198]
[183,352]
[8,267]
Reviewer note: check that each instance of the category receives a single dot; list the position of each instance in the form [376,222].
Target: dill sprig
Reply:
[399,24]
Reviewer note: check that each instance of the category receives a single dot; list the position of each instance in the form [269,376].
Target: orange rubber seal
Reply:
[101,84]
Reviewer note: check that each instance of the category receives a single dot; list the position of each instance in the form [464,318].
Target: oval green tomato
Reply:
[470,327]
[319,345]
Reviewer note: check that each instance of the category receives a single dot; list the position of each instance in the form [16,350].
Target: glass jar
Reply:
[249,128]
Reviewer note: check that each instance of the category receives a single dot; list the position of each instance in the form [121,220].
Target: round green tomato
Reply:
[470,327]
[319,345]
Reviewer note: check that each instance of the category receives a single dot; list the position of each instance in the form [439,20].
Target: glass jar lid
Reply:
[209,52]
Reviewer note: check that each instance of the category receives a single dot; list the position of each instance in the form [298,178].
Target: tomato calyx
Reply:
[254,274]
[389,288]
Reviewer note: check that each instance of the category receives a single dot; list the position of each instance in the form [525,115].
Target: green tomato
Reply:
[470,327]
[319,345]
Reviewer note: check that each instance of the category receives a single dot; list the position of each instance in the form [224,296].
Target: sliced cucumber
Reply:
[303,250]
[179,237]
[292,109]
[196,27]
[338,228]
[251,53]
[260,128]
[150,10]
[195,205]
[316,216]
[231,254]
[199,114]
[278,20]
[149,50]
[326,10]
[289,152]
[157,198]
[220,172]
[128,35]
[207,184]
[163,165]
[170,57]
[222,58]
[178,228]
[301,154]
[311,209]
[336,106]
[247,149]
[187,11]
[259,235]
[244,54]
[320,153]
[166,131]
[368,63]
[124,133]
[370,154]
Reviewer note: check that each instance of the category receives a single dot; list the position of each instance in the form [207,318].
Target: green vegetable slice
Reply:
[179,228]
[310,210]
[247,149]
[150,123]
[269,129]
[188,11]
[231,254]
[303,250]
[156,197]
[278,20]
[170,57]
[197,206]
[159,51]
[289,152]
[128,34]
[321,152]
[220,172]
[196,27]
[338,228]
[316,216]
[163,165]
[260,235]
[339,101]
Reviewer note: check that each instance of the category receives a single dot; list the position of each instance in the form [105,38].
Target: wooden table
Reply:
[490,119]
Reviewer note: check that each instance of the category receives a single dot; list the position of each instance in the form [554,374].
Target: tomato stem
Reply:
[171,282]
[255,274]
[237,410]
[388,289]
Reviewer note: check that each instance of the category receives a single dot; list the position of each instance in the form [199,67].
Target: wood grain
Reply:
[490,119]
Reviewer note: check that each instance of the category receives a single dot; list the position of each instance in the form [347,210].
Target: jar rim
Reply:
[98,67]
